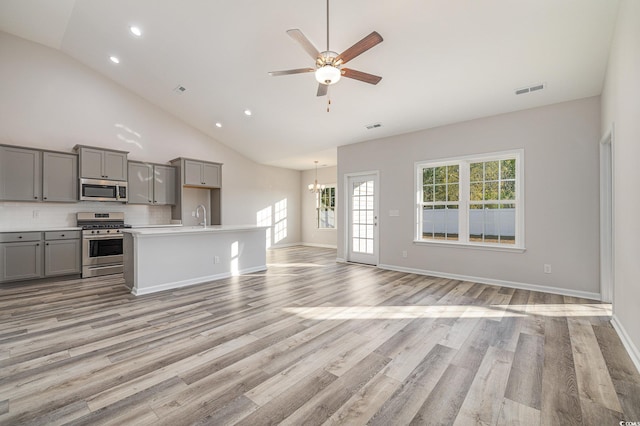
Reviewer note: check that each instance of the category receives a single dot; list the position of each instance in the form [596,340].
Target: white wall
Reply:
[621,109]
[48,100]
[311,235]
[560,145]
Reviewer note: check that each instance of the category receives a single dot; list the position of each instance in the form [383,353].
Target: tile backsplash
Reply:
[45,215]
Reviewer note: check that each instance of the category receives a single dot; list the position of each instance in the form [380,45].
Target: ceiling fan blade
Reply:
[297,35]
[360,47]
[287,72]
[362,76]
[322,89]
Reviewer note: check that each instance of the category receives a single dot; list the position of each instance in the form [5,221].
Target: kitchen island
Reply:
[157,259]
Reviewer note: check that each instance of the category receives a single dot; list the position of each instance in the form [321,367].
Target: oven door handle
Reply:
[102,237]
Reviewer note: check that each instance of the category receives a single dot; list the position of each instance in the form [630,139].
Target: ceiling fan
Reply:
[328,65]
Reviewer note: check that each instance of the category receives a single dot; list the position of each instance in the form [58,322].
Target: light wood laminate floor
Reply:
[310,341]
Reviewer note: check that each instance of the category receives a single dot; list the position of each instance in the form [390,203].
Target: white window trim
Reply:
[463,202]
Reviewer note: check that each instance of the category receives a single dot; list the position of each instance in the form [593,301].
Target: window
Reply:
[472,200]
[326,208]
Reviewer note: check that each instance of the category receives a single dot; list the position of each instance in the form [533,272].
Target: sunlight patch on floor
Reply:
[454,311]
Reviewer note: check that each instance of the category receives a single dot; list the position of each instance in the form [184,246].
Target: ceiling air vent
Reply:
[180,89]
[530,89]
[373,126]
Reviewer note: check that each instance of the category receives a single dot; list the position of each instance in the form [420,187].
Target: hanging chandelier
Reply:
[314,187]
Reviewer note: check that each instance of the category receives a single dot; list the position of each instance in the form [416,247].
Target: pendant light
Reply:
[314,187]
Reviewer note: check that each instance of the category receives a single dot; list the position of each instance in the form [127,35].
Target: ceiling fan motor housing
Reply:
[327,68]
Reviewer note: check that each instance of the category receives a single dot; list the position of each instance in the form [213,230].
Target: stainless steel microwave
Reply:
[103,190]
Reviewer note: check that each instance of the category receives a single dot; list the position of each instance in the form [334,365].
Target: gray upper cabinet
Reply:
[140,183]
[97,163]
[59,177]
[151,184]
[164,184]
[34,175]
[198,173]
[20,178]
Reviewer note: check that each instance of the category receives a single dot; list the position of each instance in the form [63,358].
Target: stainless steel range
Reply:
[101,243]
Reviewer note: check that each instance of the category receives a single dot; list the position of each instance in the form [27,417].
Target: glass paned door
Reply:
[363,219]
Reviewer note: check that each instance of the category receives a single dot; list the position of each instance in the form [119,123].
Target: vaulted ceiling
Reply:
[441,62]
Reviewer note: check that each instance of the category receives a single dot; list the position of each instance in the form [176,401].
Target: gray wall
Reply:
[621,110]
[48,100]
[560,145]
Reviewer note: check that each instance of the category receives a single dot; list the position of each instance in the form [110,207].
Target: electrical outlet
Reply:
[36,214]
[216,259]
[193,214]
[404,253]
[547,268]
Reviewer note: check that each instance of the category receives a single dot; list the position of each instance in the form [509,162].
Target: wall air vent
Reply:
[530,89]
[373,126]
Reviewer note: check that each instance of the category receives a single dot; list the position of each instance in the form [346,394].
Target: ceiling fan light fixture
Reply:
[328,74]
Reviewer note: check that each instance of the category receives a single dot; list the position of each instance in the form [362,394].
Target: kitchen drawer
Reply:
[61,235]
[13,237]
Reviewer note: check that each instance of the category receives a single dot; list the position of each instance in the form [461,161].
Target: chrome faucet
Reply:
[204,215]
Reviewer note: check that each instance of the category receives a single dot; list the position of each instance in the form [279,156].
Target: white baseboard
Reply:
[340,260]
[330,246]
[284,245]
[491,281]
[631,348]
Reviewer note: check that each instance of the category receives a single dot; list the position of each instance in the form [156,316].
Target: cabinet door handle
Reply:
[62,235]
[19,237]
[45,244]
[38,245]
[35,198]
[45,198]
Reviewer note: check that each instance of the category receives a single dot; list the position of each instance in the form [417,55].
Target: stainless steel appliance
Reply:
[101,243]
[103,190]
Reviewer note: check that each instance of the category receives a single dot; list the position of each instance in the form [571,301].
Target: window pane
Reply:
[508,190]
[476,223]
[508,169]
[507,224]
[441,174]
[451,223]
[452,174]
[427,193]
[491,170]
[476,172]
[491,191]
[441,193]
[452,193]
[427,176]
[475,191]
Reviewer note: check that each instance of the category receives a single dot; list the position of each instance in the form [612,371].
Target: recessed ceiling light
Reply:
[247,112]
[136,31]
[218,124]
[114,59]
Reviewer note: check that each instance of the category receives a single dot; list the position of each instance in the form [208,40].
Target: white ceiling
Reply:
[441,62]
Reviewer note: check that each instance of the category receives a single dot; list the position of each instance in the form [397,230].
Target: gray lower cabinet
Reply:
[151,184]
[20,256]
[62,254]
[30,255]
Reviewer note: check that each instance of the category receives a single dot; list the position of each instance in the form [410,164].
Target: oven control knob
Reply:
[93,232]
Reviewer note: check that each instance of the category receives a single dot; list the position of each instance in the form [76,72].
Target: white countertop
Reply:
[36,229]
[177,230]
